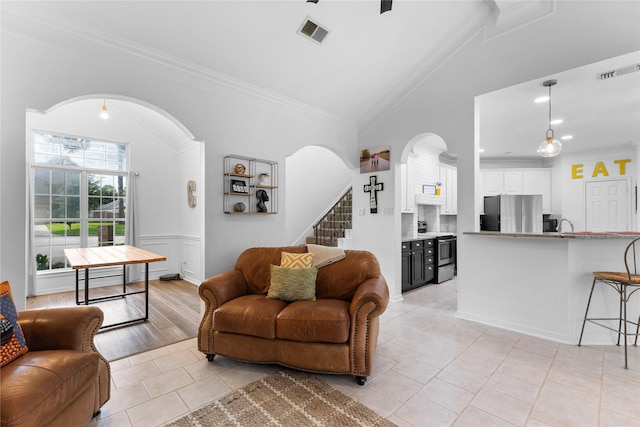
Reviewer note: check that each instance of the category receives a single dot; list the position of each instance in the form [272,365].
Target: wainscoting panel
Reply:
[191,265]
[160,245]
[184,256]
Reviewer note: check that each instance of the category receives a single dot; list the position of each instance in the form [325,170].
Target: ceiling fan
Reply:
[385,5]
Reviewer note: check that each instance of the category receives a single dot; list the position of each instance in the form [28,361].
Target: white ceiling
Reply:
[596,112]
[364,59]
[366,62]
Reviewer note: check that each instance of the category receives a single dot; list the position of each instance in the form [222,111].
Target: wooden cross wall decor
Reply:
[372,188]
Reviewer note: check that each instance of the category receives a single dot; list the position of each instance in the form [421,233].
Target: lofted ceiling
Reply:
[597,113]
[366,63]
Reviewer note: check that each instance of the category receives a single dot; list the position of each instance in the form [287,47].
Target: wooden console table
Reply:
[108,256]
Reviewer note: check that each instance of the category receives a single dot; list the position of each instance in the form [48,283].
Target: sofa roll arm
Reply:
[371,290]
[224,287]
[215,291]
[61,328]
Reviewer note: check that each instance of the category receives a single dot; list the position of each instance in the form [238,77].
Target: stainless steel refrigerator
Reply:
[513,213]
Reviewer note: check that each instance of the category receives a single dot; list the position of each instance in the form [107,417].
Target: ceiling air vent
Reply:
[312,30]
[619,72]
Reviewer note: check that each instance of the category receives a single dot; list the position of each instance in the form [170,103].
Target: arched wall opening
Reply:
[423,173]
[162,157]
[316,177]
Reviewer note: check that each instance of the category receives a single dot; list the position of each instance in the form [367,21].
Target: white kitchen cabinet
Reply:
[480,191]
[449,190]
[538,182]
[403,187]
[493,183]
[512,182]
[408,186]
[524,181]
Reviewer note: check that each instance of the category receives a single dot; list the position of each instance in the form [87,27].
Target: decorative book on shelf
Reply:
[250,186]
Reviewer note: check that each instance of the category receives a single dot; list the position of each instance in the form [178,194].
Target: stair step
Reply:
[331,231]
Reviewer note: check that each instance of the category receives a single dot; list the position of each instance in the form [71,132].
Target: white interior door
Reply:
[607,205]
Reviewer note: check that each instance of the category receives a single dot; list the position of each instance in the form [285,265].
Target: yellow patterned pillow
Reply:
[289,260]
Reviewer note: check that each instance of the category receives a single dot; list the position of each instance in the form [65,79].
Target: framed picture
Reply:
[239,186]
[375,159]
[429,189]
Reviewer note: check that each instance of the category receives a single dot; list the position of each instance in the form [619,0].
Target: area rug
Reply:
[287,398]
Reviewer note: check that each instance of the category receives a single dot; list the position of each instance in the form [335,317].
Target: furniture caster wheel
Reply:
[361,380]
[210,357]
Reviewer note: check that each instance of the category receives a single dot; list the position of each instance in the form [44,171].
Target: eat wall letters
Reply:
[577,169]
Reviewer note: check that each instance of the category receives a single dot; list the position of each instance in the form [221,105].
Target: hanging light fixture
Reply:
[550,147]
[104,115]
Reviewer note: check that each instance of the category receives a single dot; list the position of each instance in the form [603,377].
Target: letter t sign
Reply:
[372,188]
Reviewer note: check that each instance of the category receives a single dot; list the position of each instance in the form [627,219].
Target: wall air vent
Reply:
[312,30]
[619,72]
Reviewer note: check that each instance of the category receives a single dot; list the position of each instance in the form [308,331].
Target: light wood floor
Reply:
[174,315]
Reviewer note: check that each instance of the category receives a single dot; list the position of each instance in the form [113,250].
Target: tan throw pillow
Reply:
[289,260]
[293,284]
[324,255]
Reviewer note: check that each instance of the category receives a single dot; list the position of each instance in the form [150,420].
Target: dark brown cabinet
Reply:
[406,266]
[418,267]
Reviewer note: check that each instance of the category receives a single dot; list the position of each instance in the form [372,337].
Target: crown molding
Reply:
[451,44]
[509,15]
[32,15]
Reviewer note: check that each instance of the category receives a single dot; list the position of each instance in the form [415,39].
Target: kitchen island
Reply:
[539,283]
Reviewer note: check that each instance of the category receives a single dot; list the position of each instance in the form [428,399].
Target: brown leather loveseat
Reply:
[337,333]
[61,380]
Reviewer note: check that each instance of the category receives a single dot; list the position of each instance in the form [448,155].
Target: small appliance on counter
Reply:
[549,224]
[422,226]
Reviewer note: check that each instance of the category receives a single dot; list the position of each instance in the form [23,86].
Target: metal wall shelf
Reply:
[246,173]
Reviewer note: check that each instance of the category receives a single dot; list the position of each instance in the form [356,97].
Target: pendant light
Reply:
[550,147]
[104,115]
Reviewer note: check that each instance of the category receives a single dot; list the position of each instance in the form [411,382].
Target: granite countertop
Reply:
[426,236]
[563,235]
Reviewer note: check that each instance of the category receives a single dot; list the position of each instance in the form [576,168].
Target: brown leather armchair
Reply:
[62,380]
[335,334]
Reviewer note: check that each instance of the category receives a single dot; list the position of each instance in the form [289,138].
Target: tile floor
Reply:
[431,370]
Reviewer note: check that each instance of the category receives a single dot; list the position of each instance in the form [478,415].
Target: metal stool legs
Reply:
[621,289]
[584,322]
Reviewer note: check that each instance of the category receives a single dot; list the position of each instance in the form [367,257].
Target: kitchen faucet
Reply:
[559,227]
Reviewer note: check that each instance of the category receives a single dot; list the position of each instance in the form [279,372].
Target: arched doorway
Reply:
[161,156]
[310,168]
[427,185]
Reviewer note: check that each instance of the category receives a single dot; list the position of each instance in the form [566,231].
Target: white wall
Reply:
[230,119]
[573,190]
[316,178]
[190,166]
[426,166]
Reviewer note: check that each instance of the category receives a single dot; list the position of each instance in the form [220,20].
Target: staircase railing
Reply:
[328,229]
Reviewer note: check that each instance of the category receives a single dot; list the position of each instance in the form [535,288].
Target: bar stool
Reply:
[620,282]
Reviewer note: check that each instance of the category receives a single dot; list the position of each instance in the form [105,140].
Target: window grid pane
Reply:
[58,209]
[65,150]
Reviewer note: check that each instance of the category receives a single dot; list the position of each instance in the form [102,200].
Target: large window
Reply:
[79,196]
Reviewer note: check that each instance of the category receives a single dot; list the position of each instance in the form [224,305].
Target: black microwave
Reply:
[549,225]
